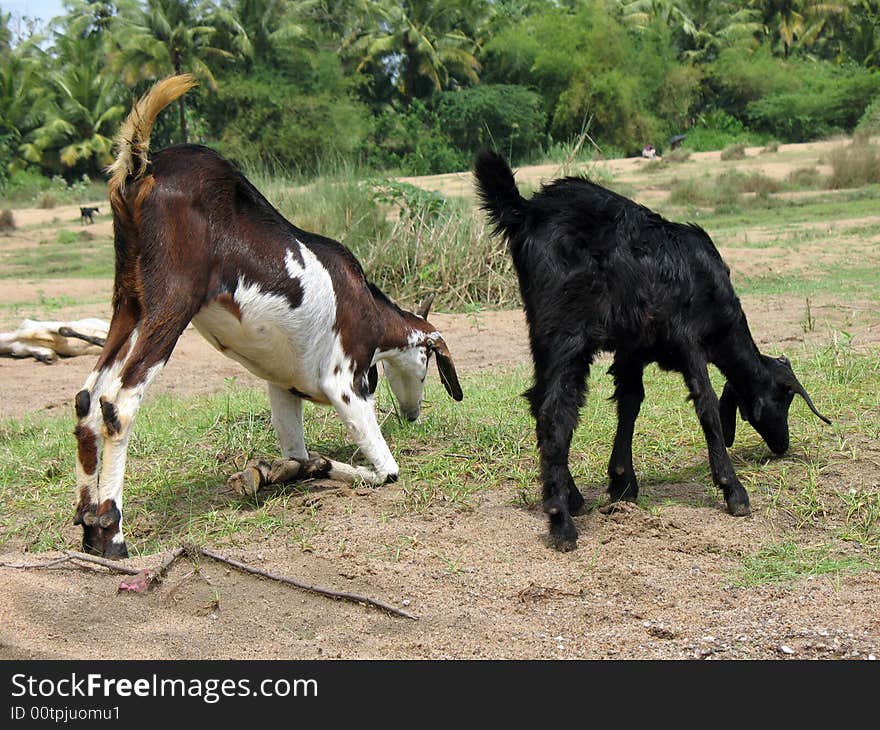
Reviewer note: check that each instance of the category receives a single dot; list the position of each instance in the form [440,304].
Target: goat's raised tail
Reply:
[498,193]
[133,140]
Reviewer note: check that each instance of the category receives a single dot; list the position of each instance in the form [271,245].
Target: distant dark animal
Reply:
[599,272]
[86,215]
[196,242]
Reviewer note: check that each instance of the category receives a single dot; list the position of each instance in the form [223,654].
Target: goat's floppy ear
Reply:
[445,366]
[727,410]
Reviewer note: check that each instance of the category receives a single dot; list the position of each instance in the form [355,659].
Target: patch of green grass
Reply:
[859,282]
[93,258]
[183,450]
[788,562]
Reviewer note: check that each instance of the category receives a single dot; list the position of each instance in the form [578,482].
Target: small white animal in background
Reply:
[45,341]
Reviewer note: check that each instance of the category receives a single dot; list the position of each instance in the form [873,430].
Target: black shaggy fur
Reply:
[600,272]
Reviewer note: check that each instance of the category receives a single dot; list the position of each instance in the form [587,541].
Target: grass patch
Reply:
[88,258]
[183,450]
[788,562]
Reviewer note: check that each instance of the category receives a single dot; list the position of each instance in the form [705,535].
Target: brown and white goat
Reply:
[195,241]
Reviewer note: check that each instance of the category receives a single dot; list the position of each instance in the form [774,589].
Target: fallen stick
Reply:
[306,586]
[109,564]
[37,566]
[156,575]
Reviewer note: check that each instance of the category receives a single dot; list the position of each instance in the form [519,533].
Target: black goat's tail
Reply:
[498,193]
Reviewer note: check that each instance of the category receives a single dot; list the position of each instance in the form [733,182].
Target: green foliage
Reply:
[827,103]
[262,119]
[505,117]
[716,130]
[412,142]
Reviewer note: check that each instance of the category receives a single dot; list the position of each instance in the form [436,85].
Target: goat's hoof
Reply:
[739,509]
[563,543]
[316,467]
[246,483]
[623,490]
[563,533]
[284,471]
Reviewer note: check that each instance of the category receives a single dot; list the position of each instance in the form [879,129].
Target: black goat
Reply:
[600,272]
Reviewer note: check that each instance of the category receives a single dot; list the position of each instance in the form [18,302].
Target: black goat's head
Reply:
[767,410]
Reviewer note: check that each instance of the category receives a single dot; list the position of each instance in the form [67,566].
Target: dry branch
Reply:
[306,586]
[158,573]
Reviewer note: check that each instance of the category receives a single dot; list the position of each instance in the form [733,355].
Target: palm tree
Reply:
[415,39]
[703,27]
[272,23]
[174,36]
[79,122]
[23,97]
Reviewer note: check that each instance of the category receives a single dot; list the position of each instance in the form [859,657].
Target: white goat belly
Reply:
[284,344]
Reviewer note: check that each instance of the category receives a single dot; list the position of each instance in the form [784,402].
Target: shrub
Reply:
[855,165]
[7,222]
[505,117]
[806,178]
[869,123]
[734,152]
[771,147]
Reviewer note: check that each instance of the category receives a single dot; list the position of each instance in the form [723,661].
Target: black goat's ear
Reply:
[446,368]
[727,409]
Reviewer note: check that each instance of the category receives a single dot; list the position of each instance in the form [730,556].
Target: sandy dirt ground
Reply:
[483,582]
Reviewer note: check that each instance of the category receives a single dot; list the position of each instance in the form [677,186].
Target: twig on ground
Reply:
[192,552]
[109,564]
[306,586]
[37,566]
[157,575]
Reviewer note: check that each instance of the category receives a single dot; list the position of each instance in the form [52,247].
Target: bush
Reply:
[505,117]
[715,130]
[734,152]
[855,165]
[826,101]
[412,142]
[7,222]
[869,123]
[805,178]
[266,120]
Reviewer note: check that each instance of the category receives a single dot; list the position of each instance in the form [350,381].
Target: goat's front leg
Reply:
[298,464]
[629,392]
[556,399]
[706,405]
[359,417]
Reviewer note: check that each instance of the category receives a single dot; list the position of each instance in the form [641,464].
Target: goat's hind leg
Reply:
[556,399]
[89,431]
[629,392]
[119,404]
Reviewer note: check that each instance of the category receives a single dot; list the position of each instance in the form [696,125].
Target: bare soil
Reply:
[483,582]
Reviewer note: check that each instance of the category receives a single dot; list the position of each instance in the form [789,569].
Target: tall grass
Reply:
[855,165]
[410,241]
